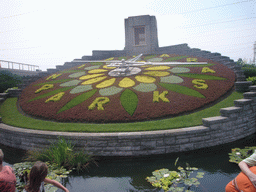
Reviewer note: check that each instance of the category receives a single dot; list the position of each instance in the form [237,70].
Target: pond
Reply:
[128,174]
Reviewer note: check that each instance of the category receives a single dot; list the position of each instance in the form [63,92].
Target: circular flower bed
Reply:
[87,93]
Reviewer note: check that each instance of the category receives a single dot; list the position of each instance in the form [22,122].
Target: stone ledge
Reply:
[253,88]
[242,86]
[4,95]
[226,112]
[242,102]
[249,95]
[214,120]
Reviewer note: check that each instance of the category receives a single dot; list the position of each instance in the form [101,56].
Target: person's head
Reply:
[37,174]
[1,156]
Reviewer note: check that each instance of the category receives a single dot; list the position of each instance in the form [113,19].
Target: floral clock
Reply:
[91,92]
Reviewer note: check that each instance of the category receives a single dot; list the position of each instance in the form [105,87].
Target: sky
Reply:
[51,32]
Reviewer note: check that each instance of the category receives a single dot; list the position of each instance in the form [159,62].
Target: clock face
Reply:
[101,93]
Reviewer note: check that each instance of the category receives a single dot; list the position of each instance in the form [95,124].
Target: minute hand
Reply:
[167,63]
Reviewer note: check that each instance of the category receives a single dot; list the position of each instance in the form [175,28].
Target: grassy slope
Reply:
[11,116]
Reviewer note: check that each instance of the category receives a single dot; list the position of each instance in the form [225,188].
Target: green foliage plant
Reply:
[252,79]
[237,154]
[62,154]
[129,101]
[77,100]
[149,57]
[182,89]
[201,76]
[249,71]
[8,80]
[22,171]
[175,180]
[175,58]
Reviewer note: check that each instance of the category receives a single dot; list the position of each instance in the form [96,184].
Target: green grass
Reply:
[11,116]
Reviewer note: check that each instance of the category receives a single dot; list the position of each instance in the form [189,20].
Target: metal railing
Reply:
[17,66]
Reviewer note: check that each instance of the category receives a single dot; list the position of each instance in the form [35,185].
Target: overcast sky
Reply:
[51,32]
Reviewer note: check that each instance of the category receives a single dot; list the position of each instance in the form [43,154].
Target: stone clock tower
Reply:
[141,34]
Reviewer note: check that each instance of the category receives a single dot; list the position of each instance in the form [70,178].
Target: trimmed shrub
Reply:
[249,71]
[8,80]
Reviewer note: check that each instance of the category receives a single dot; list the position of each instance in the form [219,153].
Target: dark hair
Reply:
[1,156]
[37,175]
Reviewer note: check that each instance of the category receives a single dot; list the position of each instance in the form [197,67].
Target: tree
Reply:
[8,80]
[240,61]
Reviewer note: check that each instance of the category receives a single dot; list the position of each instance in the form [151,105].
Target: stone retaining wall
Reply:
[234,123]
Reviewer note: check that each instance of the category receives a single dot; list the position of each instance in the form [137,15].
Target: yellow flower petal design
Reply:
[157,68]
[126,82]
[95,80]
[157,73]
[97,71]
[106,67]
[164,55]
[109,59]
[106,83]
[90,76]
[145,79]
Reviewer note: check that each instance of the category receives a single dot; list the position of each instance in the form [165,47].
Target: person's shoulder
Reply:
[8,168]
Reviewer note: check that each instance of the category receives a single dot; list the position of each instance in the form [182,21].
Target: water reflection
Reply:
[128,174]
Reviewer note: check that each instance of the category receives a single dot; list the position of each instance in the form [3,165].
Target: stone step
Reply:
[252,88]
[4,95]
[2,100]
[230,112]
[242,102]
[242,86]
[249,95]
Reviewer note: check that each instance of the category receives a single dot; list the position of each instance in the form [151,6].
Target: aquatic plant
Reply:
[62,154]
[175,180]
[237,154]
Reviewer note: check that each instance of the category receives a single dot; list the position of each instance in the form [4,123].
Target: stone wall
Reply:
[234,123]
